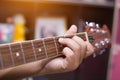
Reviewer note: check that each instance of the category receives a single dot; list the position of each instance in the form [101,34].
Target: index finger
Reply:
[72,30]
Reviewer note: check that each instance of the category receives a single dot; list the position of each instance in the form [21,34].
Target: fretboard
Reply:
[14,54]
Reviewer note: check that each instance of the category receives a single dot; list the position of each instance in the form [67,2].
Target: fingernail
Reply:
[73,28]
[61,39]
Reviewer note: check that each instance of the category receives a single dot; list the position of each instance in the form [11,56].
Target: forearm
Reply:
[22,71]
[27,70]
[75,51]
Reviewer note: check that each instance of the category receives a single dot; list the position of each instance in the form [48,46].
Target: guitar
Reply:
[18,53]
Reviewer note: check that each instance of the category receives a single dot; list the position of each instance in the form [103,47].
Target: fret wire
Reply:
[2,65]
[59,53]
[18,48]
[86,36]
[50,52]
[45,48]
[11,54]
[55,45]
[34,50]
[22,52]
[1,61]
[49,49]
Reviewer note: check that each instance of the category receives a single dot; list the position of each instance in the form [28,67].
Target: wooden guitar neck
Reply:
[14,54]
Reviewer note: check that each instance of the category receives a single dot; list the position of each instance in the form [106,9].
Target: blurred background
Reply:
[26,19]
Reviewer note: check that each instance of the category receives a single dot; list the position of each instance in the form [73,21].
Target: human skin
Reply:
[75,51]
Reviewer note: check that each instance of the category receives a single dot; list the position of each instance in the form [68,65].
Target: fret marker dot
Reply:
[17,54]
[39,49]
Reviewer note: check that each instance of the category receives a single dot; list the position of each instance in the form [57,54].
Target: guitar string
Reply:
[26,47]
[52,52]
[41,47]
[33,60]
[68,36]
[28,44]
[41,56]
[28,50]
[21,63]
[32,46]
[38,48]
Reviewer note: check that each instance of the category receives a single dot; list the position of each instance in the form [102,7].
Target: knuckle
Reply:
[83,44]
[75,37]
[71,55]
[64,68]
[68,41]
[78,47]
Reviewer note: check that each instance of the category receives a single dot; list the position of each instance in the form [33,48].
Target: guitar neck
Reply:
[14,54]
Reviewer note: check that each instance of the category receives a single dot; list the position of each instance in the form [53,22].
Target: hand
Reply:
[75,51]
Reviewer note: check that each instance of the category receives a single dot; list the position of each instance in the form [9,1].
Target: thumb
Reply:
[72,30]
